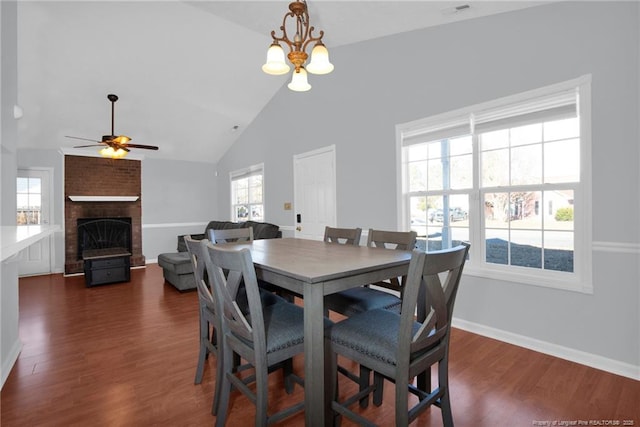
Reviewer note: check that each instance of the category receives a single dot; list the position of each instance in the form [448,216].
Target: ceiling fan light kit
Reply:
[114,147]
[297,55]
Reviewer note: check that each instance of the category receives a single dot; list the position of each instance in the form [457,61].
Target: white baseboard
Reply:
[599,362]
[7,364]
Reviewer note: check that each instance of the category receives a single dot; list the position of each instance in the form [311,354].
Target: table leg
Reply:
[314,355]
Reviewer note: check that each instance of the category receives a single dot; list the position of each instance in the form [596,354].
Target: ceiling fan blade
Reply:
[90,145]
[82,139]
[146,147]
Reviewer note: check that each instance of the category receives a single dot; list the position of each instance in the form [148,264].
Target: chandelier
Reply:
[297,55]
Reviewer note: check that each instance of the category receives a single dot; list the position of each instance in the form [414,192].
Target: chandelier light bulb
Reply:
[275,64]
[303,37]
[299,81]
[320,60]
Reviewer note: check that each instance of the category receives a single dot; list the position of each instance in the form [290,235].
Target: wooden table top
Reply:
[315,261]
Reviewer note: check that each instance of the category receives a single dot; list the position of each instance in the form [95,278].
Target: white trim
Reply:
[521,276]
[176,225]
[593,360]
[92,152]
[11,359]
[617,247]
[104,198]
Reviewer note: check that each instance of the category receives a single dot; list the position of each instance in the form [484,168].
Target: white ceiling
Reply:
[186,72]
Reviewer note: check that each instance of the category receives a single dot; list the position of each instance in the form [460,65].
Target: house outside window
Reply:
[512,177]
[247,194]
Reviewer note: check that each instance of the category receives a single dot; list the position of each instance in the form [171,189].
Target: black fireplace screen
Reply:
[103,233]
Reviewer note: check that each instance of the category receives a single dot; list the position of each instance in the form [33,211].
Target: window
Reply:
[512,178]
[29,200]
[247,202]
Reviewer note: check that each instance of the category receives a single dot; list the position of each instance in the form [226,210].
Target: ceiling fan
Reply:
[114,146]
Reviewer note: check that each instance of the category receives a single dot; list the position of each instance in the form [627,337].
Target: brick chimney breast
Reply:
[96,176]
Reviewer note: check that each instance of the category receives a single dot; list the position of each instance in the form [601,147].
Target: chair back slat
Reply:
[348,236]
[248,325]
[399,240]
[197,255]
[231,235]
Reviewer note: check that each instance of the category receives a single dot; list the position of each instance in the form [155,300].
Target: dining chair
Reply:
[231,235]
[363,298]
[399,346]
[236,235]
[209,320]
[346,236]
[264,336]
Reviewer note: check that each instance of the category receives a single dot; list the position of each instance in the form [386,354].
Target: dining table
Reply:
[313,269]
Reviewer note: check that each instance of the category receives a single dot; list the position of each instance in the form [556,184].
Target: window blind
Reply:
[246,173]
[562,105]
[452,128]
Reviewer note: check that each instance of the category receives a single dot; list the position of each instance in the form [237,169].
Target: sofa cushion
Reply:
[177,262]
[263,230]
[182,246]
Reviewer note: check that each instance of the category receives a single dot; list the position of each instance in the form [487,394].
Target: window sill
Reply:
[522,276]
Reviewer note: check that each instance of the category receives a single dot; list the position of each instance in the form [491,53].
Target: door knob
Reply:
[298,228]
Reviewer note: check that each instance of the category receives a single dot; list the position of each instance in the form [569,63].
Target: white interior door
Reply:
[315,192]
[33,208]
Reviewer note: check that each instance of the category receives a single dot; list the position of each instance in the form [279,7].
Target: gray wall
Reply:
[178,197]
[378,84]
[9,340]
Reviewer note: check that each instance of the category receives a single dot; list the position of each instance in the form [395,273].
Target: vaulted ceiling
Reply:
[186,72]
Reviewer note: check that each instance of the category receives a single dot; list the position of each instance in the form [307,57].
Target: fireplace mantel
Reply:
[103,198]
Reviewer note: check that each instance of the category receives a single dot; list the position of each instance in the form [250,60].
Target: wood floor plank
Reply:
[125,355]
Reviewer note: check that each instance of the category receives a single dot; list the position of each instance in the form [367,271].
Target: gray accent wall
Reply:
[178,197]
[381,83]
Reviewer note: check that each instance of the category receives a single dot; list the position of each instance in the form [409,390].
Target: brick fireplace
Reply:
[107,178]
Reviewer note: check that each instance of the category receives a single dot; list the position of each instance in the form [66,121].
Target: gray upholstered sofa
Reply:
[176,266]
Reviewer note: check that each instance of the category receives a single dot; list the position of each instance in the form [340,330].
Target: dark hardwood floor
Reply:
[125,355]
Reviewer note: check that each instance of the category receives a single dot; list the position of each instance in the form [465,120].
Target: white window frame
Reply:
[441,125]
[242,174]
